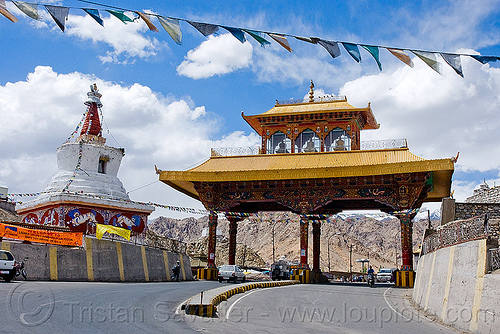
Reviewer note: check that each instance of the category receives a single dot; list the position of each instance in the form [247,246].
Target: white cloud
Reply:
[217,55]
[126,40]
[439,115]
[40,113]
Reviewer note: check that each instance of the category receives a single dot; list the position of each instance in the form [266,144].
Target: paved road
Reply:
[80,307]
[331,308]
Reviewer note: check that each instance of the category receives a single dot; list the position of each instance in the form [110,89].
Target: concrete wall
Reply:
[452,285]
[99,260]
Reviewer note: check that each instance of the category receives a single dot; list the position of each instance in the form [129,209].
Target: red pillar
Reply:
[233,226]
[304,231]
[316,245]
[212,239]
[406,239]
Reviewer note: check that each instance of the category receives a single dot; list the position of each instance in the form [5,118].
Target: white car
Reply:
[7,265]
[384,275]
[230,272]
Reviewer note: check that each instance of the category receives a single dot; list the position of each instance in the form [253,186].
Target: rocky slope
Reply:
[376,239]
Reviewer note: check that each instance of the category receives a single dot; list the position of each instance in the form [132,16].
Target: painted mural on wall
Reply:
[78,219]
[128,221]
[31,218]
[50,217]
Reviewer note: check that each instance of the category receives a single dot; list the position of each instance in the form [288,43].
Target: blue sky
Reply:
[169,104]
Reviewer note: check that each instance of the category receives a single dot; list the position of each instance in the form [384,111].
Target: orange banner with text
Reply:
[41,236]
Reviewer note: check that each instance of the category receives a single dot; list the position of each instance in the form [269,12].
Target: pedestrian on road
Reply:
[176,270]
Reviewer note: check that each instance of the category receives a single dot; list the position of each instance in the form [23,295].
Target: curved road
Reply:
[329,308]
[82,307]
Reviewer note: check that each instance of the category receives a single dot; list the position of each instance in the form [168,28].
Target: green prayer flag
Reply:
[262,41]
[373,50]
[120,14]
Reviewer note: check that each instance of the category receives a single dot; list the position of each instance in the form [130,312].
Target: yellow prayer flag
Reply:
[148,22]
[401,55]
[101,229]
[5,12]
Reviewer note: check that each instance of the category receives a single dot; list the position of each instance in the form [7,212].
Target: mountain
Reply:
[373,236]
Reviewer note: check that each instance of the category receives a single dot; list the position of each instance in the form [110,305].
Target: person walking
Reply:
[176,270]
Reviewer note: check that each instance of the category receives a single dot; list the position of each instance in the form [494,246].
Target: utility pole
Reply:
[244,254]
[396,250]
[336,234]
[273,243]
[350,262]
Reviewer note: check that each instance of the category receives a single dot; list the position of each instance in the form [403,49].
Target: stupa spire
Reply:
[91,129]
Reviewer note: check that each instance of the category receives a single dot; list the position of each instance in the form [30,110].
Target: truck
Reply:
[280,270]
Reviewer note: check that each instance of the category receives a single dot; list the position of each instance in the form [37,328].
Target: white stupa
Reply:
[86,189]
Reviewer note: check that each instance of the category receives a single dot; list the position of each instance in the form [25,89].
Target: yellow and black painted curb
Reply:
[405,278]
[210,310]
[202,310]
[209,274]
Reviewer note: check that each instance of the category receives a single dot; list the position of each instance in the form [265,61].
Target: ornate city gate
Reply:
[312,163]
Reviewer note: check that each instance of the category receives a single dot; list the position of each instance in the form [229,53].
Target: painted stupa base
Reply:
[81,213]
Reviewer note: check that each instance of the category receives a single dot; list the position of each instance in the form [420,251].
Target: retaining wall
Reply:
[99,260]
[452,285]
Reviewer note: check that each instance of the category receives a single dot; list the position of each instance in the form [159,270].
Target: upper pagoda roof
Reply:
[325,106]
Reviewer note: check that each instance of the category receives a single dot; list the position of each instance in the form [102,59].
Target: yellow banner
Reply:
[101,229]
[41,236]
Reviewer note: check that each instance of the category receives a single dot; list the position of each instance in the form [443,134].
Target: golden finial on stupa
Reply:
[311,92]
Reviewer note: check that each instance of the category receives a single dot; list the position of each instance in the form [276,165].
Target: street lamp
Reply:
[338,233]
[396,249]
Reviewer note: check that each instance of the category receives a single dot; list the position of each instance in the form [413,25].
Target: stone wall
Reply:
[494,228]
[469,210]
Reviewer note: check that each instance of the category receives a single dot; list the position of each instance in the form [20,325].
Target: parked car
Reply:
[384,275]
[230,272]
[7,265]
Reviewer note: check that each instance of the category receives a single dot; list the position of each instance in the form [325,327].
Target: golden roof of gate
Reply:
[313,108]
[271,167]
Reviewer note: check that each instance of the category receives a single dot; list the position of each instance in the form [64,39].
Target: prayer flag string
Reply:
[171,25]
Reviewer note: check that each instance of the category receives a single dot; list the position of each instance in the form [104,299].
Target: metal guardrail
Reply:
[233,151]
[456,232]
[255,150]
[325,98]
[383,144]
